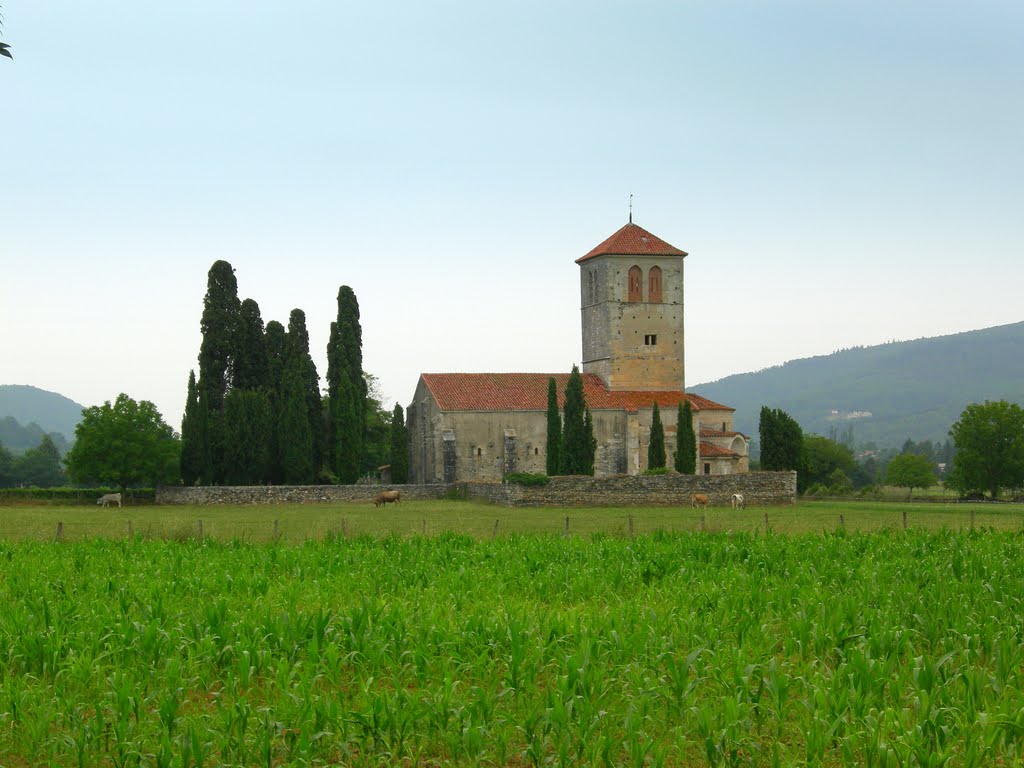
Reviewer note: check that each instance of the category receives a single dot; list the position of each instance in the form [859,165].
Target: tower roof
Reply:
[633,240]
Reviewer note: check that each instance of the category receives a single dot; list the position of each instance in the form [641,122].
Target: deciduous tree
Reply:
[124,443]
[910,471]
[989,442]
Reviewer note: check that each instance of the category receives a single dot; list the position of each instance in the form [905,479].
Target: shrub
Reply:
[656,471]
[527,478]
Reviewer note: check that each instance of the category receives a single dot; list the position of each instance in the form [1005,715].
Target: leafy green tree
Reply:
[686,440]
[377,440]
[575,454]
[554,439]
[820,459]
[6,467]
[295,434]
[124,444]
[41,466]
[910,471]
[989,441]
[399,447]
[346,390]
[191,436]
[656,446]
[781,440]
[247,429]
[590,440]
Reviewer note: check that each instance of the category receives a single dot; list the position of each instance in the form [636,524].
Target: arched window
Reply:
[636,291]
[654,284]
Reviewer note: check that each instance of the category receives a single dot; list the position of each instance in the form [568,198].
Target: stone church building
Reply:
[480,426]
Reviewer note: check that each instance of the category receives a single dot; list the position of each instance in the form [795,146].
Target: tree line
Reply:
[985,454]
[255,414]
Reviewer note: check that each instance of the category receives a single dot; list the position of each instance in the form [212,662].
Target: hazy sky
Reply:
[841,173]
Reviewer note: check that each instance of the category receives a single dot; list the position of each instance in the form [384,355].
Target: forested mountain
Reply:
[18,438]
[48,410]
[887,393]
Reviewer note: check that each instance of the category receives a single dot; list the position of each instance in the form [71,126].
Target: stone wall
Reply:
[290,494]
[758,488]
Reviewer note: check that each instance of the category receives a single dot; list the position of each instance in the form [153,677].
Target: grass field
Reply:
[299,522]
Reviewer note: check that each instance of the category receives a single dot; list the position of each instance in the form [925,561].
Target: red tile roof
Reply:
[632,240]
[529,392]
[710,450]
[708,432]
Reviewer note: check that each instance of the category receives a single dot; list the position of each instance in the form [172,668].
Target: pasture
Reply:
[356,639]
[300,522]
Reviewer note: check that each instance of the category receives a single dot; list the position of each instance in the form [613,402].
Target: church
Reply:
[482,426]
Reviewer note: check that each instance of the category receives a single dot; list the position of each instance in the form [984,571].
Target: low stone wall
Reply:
[290,494]
[671,490]
[758,488]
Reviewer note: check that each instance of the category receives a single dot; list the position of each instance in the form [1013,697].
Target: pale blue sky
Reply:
[841,173]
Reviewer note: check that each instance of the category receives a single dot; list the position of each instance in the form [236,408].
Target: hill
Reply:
[47,410]
[886,393]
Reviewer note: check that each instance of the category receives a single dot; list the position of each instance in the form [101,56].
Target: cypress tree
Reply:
[399,447]
[276,341]
[574,454]
[781,440]
[590,441]
[656,446]
[217,358]
[298,338]
[295,434]
[247,422]
[252,368]
[346,389]
[554,429]
[686,440]
[191,440]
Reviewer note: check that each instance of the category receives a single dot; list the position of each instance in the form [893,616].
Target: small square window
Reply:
[650,339]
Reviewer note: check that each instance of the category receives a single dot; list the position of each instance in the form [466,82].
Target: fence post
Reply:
[129,529]
[842,521]
[60,531]
[277,530]
[904,519]
[424,526]
[702,522]
[972,518]
[199,529]
[631,526]
[494,535]
[566,525]
[766,522]
[344,527]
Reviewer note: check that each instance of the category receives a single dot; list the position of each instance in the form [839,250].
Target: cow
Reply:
[738,501]
[699,500]
[385,497]
[108,498]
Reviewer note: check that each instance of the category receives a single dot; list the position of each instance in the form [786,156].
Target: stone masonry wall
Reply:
[758,488]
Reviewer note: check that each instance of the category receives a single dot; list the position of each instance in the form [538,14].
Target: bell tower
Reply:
[631,300]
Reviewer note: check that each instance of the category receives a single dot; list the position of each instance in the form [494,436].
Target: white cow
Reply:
[109,498]
[738,501]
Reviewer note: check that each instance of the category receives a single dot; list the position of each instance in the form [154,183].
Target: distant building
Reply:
[481,426]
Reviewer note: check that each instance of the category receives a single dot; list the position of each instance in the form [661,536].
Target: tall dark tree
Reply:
[41,466]
[247,426]
[191,437]
[6,467]
[217,359]
[295,434]
[346,389]
[656,445]
[399,447]
[686,440]
[554,429]
[575,453]
[252,368]
[276,339]
[781,440]
[590,441]
[298,338]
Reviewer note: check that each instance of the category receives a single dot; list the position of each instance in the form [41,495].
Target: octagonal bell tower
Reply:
[631,299]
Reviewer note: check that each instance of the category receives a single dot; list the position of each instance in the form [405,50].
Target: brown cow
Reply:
[699,500]
[386,496]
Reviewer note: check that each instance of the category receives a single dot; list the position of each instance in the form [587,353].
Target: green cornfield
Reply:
[882,648]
